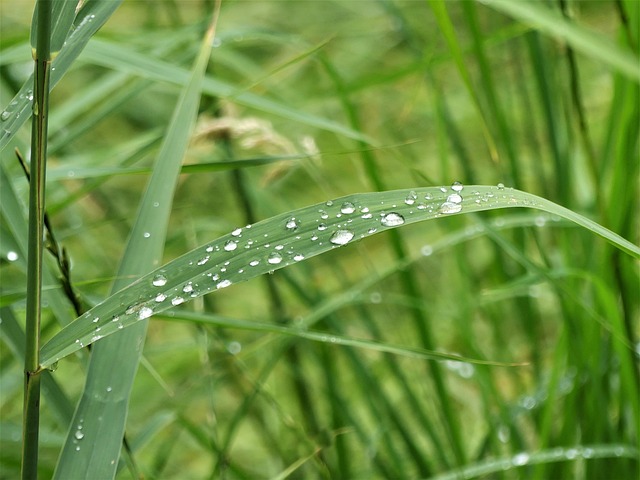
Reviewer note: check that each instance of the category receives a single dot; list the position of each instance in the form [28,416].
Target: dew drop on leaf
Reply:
[411,198]
[341,237]
[177,300]
[450,207]
[223,284]
[291,224]
[347,208]
[159,281]
[457,187]
[274,259]
[230,245]
[392,219]
[145,312]
[454,198]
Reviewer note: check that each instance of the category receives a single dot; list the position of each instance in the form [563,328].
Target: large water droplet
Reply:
[5,116]
[347,207]
[254,263]
[274,259]
[159,281]
[223,284]
[161,297]
[450,207]
[457,187]
[411,198]
[79,435]
[230,245]
[454,198]
[341,237]
[521,459]
[177,300]
[188,288]
[392,219]
[237,232]
[145,312]
[292,224]
[298,257]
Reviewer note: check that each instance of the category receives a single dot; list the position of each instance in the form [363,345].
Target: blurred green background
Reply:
[413,93]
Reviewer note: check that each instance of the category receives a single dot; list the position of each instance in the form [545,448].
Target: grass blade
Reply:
[286,239]
[87,22]
[541,18]
[99,421]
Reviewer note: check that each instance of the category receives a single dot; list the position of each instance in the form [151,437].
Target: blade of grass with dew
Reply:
[62,14]
[89,19]
[589,43]
[286,239]
[95,437]
[567,454]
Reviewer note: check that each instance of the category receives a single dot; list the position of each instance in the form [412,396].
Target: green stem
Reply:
[42,57]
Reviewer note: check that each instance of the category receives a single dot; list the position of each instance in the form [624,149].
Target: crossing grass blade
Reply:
[538,16]
[287,239]
[94,440]
[87,22]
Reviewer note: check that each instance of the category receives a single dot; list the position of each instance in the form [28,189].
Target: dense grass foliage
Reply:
[347,364]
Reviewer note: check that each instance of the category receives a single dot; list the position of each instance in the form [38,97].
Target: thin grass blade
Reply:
[92,448]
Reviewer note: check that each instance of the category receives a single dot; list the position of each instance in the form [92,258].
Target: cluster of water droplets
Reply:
[256,249]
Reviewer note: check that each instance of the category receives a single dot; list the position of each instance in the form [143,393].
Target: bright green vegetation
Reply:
[422,328]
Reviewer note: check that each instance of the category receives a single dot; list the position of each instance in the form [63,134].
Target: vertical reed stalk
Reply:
[42,57]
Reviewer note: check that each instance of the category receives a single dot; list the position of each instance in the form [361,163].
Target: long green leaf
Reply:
[94,440]
[286,239]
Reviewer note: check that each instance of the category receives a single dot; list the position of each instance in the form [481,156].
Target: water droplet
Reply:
[366,215]
[161,297]
[234,348]
[177,300]
[12,256]
[230,245]
[188,288]
[223,284]
[521,459]
[145,312]
[314,237]
[443,190]
[457,187]
[426,250]
[159,281]
[454,198]
[450,207]
[329,203]
[109,389]
[237,232]
[500,186]
[392,219]
[203,260]
[323,215]
[347,208]
[254,263]
[322,226]
[341,237]
[274,258]
[372,230]
[209,249]
[279,247]
[5,116]
[146,234]
[292,224]
[411,198]
[298,257]
[79,435]
[428,196]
